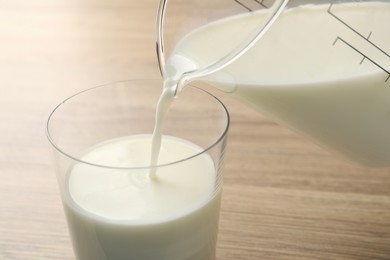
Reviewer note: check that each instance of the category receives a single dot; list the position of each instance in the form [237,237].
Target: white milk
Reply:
[117,214]
[310,71]
[164,103]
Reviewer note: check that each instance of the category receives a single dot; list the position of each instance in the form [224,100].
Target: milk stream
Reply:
[163,105]
[322,70]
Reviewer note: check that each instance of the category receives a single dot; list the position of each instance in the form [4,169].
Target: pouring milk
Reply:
[323,70]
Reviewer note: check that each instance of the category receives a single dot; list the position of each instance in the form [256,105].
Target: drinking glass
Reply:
[111,207]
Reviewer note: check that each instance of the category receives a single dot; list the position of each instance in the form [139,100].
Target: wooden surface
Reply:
[284,198]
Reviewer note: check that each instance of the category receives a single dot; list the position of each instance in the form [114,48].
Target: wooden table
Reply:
[284,198]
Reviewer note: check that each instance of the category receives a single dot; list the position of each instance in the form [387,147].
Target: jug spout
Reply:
[217,52]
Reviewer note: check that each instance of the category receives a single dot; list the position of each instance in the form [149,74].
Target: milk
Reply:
[117,214]
[164,103]
[322,70]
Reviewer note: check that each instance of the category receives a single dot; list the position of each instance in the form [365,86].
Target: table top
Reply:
[284,197]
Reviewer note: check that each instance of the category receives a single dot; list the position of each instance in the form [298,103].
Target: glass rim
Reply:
[78,160]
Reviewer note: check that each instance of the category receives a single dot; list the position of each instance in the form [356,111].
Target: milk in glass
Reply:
[124,214]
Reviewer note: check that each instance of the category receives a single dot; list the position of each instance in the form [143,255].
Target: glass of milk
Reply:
[115,208]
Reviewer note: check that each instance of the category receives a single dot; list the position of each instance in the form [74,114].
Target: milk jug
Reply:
[321,68]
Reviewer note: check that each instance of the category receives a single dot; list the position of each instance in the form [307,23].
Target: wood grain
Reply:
[284,197]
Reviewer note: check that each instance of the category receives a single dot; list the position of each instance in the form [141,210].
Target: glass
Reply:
[322,68]
[114,211]
[177,18]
